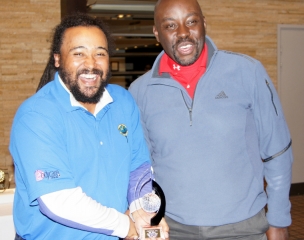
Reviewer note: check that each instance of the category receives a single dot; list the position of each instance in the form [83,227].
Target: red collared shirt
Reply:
[187,76]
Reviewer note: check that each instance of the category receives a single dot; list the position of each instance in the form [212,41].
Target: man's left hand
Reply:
[274,233]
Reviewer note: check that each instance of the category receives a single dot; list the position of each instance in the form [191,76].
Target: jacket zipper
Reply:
[267,83]
[279,153]
[189,108]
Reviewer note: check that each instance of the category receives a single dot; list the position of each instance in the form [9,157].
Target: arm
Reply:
[274,233]
[140,174]
[73,208]
[140,182]
[275,149]
[139,185]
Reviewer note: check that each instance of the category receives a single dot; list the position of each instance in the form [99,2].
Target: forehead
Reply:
[84,36]
[176,8]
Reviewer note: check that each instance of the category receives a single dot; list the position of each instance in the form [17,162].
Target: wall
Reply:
[245,26]
[250,26]
[291,88]
[25,27]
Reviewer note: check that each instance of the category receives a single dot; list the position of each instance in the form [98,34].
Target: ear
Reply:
[57,60]
[155,33]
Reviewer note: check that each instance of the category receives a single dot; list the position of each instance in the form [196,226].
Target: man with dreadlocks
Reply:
[78,146]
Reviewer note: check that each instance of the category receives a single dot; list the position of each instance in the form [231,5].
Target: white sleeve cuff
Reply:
[135,205]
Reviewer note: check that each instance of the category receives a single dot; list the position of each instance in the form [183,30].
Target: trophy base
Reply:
[151,232]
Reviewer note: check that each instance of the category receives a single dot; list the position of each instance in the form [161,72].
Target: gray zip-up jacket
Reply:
[211,153]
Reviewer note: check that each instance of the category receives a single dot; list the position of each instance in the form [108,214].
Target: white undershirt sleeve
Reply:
[73,208]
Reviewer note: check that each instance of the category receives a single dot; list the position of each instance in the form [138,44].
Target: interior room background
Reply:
[246,26]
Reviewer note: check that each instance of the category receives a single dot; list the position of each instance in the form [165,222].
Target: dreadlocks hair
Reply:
[74,20]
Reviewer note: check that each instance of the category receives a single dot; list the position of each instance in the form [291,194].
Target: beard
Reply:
[85,96]
[189,61]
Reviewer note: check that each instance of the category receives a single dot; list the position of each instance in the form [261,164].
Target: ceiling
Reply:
[130,22]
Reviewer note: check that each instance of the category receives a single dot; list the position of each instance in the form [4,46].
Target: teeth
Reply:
[186,46]
[89,76]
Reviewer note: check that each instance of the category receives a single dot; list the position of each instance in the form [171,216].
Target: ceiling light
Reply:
[124,7]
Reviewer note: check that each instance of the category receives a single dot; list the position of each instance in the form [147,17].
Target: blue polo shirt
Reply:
[58,146]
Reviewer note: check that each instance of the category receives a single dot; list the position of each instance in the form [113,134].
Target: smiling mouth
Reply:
[88,79]
[185,48]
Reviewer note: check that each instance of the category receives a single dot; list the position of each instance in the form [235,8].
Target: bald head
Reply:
[179,26]
[169,2]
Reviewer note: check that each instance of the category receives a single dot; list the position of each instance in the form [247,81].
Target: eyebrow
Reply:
[103,48]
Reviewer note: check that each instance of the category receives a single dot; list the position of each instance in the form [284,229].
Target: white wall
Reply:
[7,230]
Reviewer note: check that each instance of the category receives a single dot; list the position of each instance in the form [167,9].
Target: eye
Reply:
[78,54]
[100,54]
[191,22]
[170,26]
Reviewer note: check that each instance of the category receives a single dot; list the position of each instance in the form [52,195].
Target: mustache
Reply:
[90,71]
[181,39]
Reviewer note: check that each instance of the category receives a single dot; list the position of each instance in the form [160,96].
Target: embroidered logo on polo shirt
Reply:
[40,175]
[176,67]
[221,95]
[123,130]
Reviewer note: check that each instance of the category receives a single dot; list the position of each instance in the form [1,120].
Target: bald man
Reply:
[215,129]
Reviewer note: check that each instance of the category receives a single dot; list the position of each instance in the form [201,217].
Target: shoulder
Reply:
[143,79]
[121,96]
[117,92]
[41,103]
[239,57]
[242,63]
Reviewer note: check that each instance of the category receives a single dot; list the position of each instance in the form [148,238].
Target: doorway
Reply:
[291,90]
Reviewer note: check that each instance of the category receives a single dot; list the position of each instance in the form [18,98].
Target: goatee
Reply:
[83,96]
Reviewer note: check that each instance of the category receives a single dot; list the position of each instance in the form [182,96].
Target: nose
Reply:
[183,31]
[90,62]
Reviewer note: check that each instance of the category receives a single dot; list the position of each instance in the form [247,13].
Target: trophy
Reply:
[153,203]
[4,179]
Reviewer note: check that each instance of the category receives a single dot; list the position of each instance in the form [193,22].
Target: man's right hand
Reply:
[132,234]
